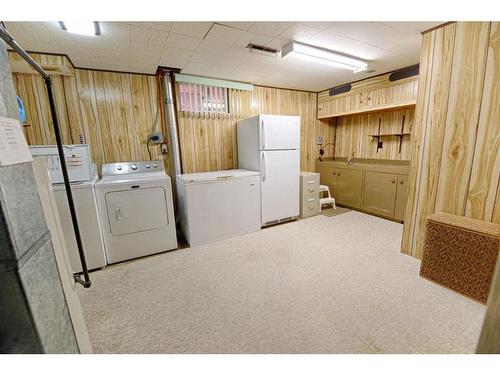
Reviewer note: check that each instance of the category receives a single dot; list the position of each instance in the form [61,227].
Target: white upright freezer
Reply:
[218,205]
[270,144]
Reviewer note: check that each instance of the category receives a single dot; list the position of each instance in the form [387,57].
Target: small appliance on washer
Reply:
[136,210]
[82,176]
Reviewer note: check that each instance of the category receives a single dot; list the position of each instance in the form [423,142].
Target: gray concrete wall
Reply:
[34,316]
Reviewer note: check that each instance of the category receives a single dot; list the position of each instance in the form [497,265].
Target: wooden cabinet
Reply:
[401,197]
[379,193]
[346,186]
[380,189]
[373,94]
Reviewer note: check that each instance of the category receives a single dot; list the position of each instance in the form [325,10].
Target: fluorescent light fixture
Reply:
[325,56]
[89,28]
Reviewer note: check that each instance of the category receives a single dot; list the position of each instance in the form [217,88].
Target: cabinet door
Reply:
[347,186]
[325,175]
[379,193]
[401,196]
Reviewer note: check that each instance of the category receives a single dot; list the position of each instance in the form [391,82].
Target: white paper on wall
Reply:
[13,146]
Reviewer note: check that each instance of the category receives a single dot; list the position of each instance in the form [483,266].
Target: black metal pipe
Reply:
[55,122]
[86,282]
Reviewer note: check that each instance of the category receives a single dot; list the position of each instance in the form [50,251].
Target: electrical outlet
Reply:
[156,138]
[319,140]
[164,148]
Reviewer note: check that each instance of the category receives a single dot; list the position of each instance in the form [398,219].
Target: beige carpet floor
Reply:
[320,285]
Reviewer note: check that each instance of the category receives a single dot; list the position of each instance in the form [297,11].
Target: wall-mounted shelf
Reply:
[400,135]
[388,135]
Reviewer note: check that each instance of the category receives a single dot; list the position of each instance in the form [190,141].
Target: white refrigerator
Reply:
[270,144]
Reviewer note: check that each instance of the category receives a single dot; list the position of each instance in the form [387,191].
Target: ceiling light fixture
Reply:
[325,56]
[89,28]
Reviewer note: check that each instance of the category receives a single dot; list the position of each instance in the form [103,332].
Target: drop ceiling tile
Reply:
[183,41]
[143,68]
[73,41]
[140,60]
[196,68]
[194,29]
[272,29]
[224,34]
[412,28]
[213,46]
[316,25]
[140,48]
[164,26]
[238,25]
[24,27]
[253,38]
[148,34]
[217,71]
[251,66]
[335,42]
[229,62]
[115,30]
[178,53]
[173,62]
[206,58]
[374,33]
[408,46]
[297,32]
[238,52]
[262,57]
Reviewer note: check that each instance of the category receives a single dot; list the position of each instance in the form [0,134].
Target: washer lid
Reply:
[77,185]
[193,178]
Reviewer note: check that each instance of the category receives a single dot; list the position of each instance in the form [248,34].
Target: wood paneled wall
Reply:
[456,139]
[208,141]
[114,112]
[352,135]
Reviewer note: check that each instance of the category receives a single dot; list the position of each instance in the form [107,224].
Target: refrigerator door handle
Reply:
[263,134]
[263,168]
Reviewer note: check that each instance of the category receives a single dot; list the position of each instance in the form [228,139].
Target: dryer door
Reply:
[136,210]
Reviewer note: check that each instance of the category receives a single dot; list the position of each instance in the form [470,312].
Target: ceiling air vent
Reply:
[268,50]
[340,89]
[404,73]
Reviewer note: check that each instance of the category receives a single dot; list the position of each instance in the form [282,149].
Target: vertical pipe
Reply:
[86,282]
[168,89]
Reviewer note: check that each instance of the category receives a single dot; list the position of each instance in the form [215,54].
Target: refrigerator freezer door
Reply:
[280,172]
[279,132]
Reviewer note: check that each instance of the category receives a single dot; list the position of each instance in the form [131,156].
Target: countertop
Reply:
[378,165]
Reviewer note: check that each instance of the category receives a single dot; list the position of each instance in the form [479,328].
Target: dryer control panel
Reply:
[131,167]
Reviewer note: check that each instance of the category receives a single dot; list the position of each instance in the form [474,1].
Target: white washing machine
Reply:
[136,210]
[88,222]
[82,176]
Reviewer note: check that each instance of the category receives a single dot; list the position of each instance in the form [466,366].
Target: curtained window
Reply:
[201,98]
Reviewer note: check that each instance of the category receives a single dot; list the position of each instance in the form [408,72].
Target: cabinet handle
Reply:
[338,174]
[401,182]
[393,181]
